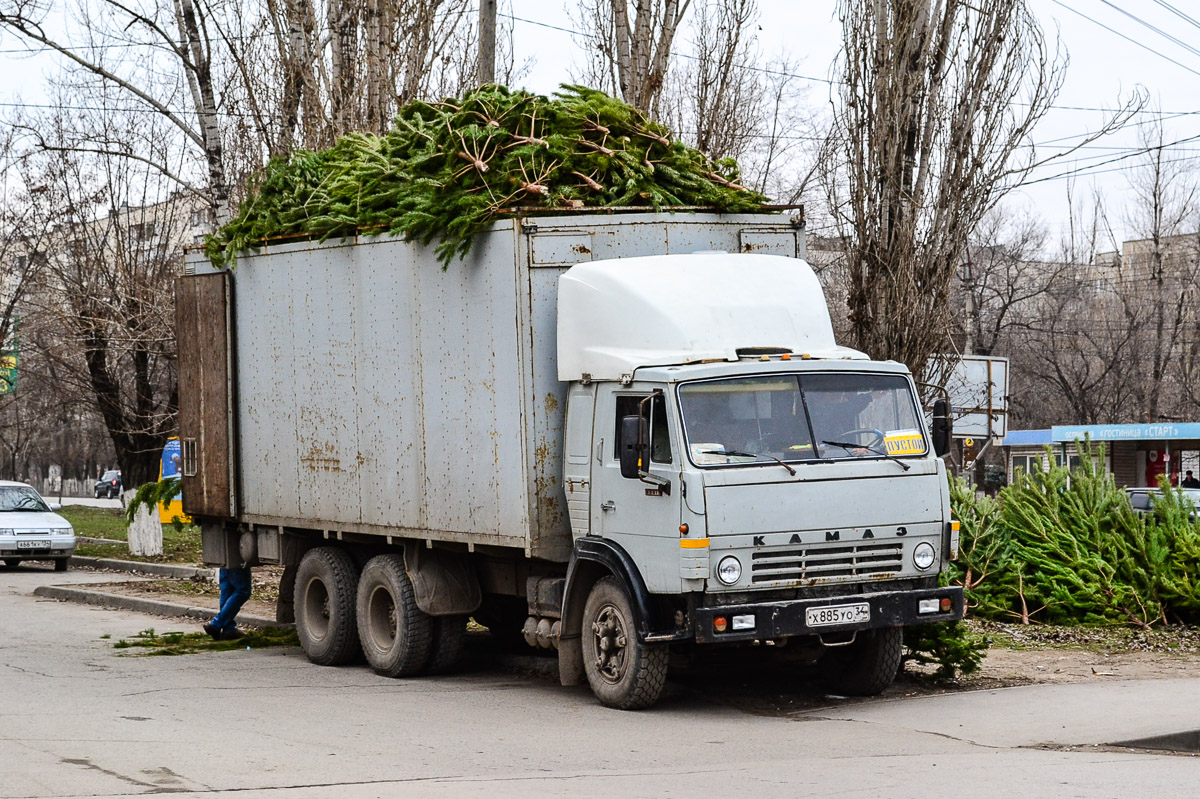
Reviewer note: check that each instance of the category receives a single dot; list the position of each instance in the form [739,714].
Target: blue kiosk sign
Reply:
[1160,431]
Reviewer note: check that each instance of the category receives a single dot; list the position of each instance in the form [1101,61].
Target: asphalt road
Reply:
[79,719]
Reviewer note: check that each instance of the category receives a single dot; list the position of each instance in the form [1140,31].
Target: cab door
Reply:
[642,517]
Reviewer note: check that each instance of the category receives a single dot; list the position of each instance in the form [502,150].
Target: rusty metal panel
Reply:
[474,418]
[566,247]
[389,396]
[266,387]
[551,532]
[325,303]
[769,242]
[202,316]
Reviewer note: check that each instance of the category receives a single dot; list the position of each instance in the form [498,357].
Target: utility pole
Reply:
[487,41]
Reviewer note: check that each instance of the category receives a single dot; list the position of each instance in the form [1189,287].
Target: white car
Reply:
[30,529]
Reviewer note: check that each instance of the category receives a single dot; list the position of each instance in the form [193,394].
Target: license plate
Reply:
[837,614]
[33,545]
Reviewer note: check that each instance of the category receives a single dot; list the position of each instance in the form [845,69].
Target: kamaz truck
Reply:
[609,435]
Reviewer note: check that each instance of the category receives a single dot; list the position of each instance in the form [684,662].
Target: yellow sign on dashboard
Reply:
[904,442]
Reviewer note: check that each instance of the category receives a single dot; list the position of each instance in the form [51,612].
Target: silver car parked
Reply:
[1142,498]
[30,529]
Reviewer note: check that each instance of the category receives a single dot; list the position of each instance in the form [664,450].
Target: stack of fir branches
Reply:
[447,170]
[1065,547]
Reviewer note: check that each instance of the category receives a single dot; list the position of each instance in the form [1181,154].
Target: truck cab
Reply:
[756,481]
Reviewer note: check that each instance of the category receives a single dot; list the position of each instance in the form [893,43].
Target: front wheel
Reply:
[60,565]
[867,666]
[623,672]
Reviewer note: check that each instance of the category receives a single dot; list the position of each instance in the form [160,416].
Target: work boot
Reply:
[213,632]
[232,634]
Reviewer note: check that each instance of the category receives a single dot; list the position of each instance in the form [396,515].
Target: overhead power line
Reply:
[1129,39]
[1093,169]
[1178,13]
[1154,28]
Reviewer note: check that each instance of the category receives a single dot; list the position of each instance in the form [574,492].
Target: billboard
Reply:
[978,389]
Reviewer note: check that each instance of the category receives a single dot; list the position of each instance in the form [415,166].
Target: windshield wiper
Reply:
[735,453]
[884,453]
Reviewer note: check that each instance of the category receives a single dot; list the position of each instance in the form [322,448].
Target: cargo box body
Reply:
[355,387]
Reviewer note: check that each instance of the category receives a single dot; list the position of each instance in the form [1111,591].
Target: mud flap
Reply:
[444,583]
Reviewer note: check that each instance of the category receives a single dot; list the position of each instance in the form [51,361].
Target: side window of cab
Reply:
[655,412]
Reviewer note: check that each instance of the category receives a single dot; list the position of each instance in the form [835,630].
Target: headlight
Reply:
[924,555]
[6,531]
[729,570]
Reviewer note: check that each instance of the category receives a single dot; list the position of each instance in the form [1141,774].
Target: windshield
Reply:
[800,418]
[15,498]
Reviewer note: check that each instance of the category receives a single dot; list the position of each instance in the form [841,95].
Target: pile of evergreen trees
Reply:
[1065,547]
[447,170]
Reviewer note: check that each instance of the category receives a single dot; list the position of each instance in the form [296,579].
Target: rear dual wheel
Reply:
[325,607]
[396,635]
[342,614]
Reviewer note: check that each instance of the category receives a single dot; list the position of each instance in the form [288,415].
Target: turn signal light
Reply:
[683,529]
[720,623]
[946,604]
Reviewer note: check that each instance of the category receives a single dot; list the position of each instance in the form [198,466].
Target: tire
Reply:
[623,673]
[11,563]
[325,606]
[396,635]
[449,638]
[112,493]
[867,666]
[60,565]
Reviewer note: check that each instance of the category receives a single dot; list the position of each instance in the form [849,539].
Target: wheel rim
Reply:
[316,609]
[381,618]
[609,640]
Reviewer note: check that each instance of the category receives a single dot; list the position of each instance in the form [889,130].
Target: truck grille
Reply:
[812,563]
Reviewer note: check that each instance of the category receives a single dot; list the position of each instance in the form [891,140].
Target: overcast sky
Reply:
[1111,52]
[1110,55]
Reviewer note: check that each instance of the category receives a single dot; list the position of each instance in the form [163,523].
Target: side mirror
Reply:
[634,434]
[943,427]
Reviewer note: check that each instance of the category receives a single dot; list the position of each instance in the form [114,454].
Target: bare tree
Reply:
[718,98]
[1005,271]
[40,422]
[937,101]
[108,288]
[239,83]
[1159,271]
[630,54]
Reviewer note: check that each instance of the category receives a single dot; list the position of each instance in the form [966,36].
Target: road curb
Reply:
[141,605]
[137,567]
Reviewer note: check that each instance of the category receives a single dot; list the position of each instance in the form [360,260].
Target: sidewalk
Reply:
[157,607]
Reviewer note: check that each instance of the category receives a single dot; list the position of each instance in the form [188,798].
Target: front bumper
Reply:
[56,547]
[788,619]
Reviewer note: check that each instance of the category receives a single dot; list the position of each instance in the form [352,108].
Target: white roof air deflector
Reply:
[617,315]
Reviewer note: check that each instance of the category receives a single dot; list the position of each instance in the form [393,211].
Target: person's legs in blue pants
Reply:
[235,590]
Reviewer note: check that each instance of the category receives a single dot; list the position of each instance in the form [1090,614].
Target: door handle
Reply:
[607,506]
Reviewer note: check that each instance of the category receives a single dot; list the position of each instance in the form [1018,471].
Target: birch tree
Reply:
[629,44]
